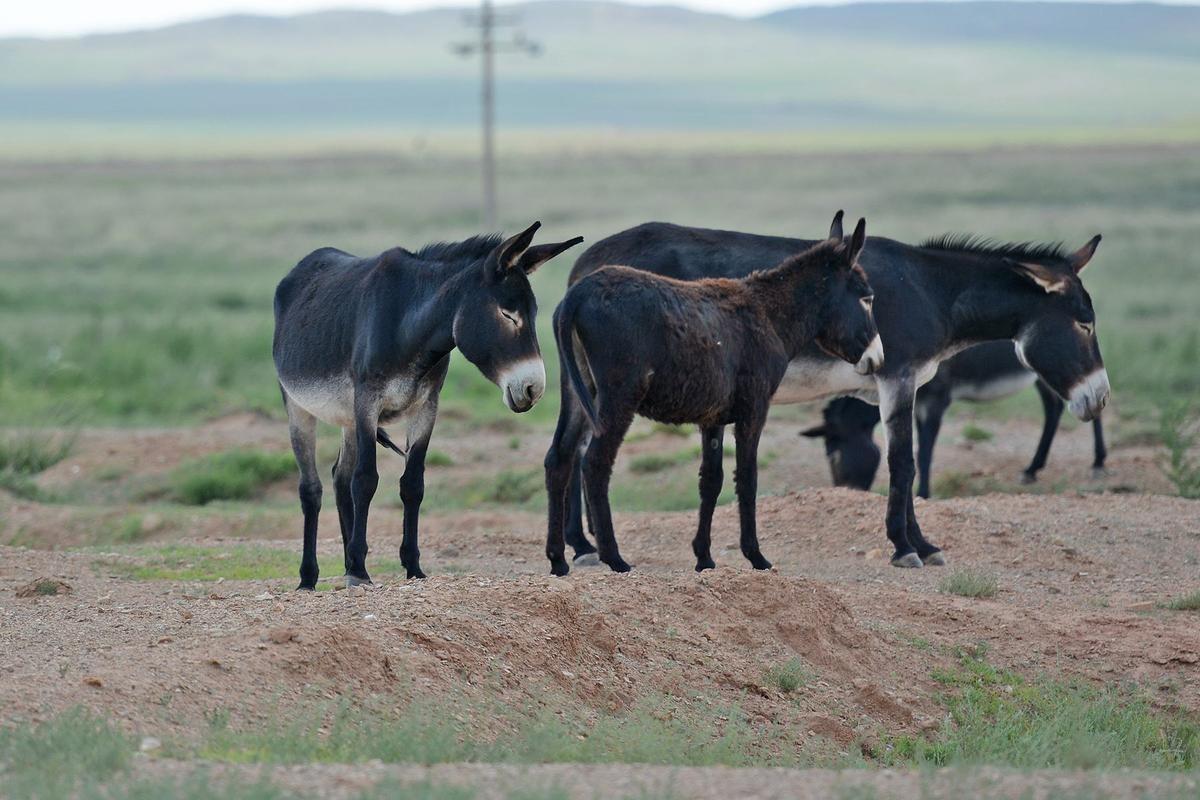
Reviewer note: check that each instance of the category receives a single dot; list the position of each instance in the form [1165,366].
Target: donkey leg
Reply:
[930,408]
[302,428]
[561,465]
[412,487]
[745,478]
[711,478]
[896,396]
[931,555]
[1101,450]
[584,549]
[343,470]
[597,471]
[363,483]
[1053,407]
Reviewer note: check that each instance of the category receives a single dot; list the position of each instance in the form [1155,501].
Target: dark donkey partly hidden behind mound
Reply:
[364,341]
[932,301]
[985,372]
[710,352]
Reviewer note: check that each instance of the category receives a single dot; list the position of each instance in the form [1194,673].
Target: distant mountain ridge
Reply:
[972,65]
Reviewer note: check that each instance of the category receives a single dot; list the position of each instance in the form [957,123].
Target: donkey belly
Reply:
[994,389]
[330,400]
[815,379]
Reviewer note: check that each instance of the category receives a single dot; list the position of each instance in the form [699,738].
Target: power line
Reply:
[486,46]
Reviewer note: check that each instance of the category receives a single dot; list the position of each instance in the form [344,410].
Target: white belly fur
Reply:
[808,379]
[332,400]
[994,389]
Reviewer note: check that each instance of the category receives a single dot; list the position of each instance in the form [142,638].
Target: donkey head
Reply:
[848,328]
[494,327]
[1058,339]
[848,428]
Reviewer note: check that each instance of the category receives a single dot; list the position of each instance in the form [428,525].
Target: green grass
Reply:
[665,731]
[1188,602]
[235,475]
[970,583]
[789,676]
[25,454]
[1179,430]
[436,459]
[973,433]
[178,562]
[51,759]
[150,333]
[999,718]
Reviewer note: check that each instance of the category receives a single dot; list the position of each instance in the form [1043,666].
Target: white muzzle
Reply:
[1089,396]
[523,384]
[872,360]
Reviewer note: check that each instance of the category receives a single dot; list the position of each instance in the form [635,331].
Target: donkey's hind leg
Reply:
[614,422]
[711,478]
[562,466]
[343,471]
[302,428]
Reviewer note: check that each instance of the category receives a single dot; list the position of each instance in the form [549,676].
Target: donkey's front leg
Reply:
[745,478]
[711,477]
[896,397]
[362,485]
[412,488]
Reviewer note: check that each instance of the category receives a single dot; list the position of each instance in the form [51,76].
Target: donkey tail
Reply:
[385,440]
[564,324]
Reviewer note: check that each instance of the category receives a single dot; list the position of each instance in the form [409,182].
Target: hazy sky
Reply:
[72,17]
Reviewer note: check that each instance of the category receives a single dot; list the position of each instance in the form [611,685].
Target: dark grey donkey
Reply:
[364,341]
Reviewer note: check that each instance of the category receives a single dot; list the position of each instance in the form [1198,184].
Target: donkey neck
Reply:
[985,301]
[786,297]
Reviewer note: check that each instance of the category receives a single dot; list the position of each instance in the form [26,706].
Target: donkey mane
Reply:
[826,247]
[472,249]
[981,245]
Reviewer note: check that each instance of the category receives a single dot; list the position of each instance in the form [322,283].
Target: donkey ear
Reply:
[814,433]
[835,230]
[534,257]
[1042,276]
[857,240]
[1080,258]
[508,252]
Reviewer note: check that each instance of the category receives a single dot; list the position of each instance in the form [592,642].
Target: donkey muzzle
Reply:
[523,384]
[872,359]
[1089,396]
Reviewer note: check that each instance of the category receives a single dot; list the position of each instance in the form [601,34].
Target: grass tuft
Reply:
[1179,430]
[970,583]
[177,562]
[56,758]
[235,475]
[789,676]
[1189,602]
[1000,719]
[973,433]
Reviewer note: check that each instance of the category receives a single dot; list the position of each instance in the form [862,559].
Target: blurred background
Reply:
[163,166]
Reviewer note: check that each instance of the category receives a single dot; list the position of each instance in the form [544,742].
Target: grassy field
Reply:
[139,292]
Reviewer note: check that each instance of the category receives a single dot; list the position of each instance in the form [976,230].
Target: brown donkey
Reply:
[709,352]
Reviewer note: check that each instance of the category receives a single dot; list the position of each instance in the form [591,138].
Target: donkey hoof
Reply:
[758,562]
[907,561]
[415,573]
[705,563]
[354,580]
[1099,473]
[591,559]
[559,567]
[934,559]
[307,587]
[1028,478]
[618,565]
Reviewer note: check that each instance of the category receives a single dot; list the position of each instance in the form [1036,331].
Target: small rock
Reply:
[874,553]
[92,680]
[149,744]
[369,617]
[264,596]
[283,635]
[356,591]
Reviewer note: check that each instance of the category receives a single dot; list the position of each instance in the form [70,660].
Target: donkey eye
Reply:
[868,302]
[510,317]
[1088,328]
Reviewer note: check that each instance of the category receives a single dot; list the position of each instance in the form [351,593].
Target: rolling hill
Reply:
[928,65]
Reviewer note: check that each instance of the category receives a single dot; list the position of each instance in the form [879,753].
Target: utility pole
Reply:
[486,47]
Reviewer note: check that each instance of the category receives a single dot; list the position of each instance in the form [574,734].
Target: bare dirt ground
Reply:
[1080,574]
